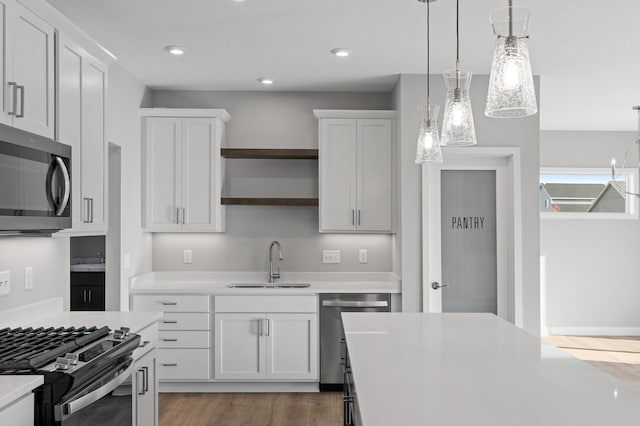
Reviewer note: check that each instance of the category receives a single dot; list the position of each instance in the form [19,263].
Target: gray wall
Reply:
[591,279]
[523,133]
[268,119]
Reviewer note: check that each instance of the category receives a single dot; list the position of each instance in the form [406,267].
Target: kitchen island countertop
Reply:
[474,369]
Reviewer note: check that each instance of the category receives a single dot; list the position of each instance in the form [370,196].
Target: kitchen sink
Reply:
[273,285]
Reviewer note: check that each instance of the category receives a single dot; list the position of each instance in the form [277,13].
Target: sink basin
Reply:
[272,285]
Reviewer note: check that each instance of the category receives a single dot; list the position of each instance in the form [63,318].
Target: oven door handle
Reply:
[355,304]
[72,407]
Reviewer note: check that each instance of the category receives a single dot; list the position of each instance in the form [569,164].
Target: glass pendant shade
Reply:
[457,124]
[429,150]
[511,90]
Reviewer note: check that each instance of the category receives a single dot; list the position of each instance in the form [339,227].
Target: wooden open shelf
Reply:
[285,154]
[239,201]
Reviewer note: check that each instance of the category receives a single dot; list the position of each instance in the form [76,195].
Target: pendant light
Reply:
[457,125]
[614,175]
[428,149]
[511,91]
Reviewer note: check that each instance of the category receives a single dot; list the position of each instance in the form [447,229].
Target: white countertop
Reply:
[14,387]
[475,369]
[215,283]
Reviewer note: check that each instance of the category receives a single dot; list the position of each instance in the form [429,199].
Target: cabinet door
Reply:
[292,346]
[145,391]
[375,154]
[6,91]
[337,175]
[32,69]
[200,199]
[87,298]
[93,179]
[163,168]
[69,129]
[239,347]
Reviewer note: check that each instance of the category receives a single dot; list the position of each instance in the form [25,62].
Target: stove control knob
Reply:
[62,363]
[121,334]
[125,330]
[73,358]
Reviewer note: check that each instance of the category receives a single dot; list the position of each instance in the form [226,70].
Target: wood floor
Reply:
[617,356]
[251,409]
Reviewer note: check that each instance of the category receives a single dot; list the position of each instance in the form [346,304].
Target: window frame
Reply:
[631,201]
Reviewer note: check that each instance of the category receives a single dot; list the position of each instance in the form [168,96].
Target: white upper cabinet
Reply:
[182,178]
[28,84]
[356,151]
[81,124]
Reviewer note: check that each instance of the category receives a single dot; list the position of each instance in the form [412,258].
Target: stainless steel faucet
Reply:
[273,276]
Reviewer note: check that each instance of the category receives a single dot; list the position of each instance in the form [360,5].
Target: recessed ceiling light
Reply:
[341,52]
[266,81]
[175,50]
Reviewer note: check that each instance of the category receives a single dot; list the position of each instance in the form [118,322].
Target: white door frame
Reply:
[506,162]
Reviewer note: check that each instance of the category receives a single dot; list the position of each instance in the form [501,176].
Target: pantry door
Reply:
[469,262]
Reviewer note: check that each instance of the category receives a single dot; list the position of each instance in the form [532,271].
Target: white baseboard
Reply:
[237,387]
[594,331]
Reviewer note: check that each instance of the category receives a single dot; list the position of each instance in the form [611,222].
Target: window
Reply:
[572,193]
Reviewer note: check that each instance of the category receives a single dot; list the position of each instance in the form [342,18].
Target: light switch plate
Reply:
[5,283]
[363,255]
[330,256]
[187,256]
[28,278]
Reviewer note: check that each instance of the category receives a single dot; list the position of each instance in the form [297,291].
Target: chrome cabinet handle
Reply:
[170,321]
[91,210]
[169,340]
[169,303]
[436,285]
[145,377]
[84,295]
[145,343]
[140,388]
[178,215]
[14,104]
[355,304]
[85,213]
[353,217]
[21,88]
[268,327]
[260,328]
[90,296]
[359,217]
[170,364]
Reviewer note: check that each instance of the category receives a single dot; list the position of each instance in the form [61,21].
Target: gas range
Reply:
[79,365]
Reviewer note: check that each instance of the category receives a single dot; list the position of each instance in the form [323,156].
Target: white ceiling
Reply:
[585,51]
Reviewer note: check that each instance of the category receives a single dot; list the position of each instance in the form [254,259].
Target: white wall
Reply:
[49,258]
[409,93]
[271,120]
[591,278]
[125,96]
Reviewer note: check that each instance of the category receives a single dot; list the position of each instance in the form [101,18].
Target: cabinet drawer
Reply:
[184,339]
[266,304]
[171,302]
[148,340]
[183,364]
[184,321]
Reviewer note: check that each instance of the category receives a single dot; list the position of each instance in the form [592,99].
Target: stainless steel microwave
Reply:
[35,183]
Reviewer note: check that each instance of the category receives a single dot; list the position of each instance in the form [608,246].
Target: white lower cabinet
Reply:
[19,413]
[145,391]
[267,345]
[184,353]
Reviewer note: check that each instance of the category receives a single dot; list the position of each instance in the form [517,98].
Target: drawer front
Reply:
[266,304]
[184,339]
[183,364]
[171,302]
[148,340]
[184,321]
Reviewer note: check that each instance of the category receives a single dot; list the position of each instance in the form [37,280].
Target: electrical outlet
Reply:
[330,256]
[28,278]
[187,256]
[127,261]
[5,283]
[362,255]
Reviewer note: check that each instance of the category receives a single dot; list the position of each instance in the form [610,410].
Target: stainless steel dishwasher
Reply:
[332,346]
